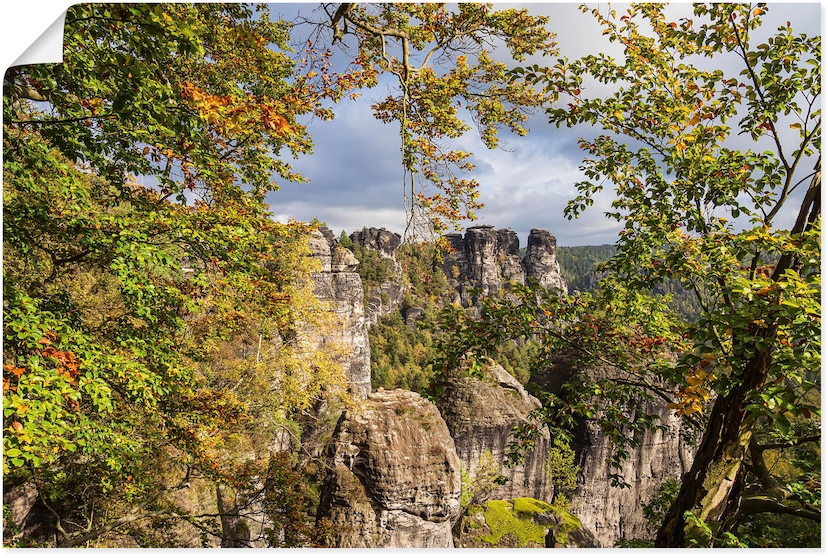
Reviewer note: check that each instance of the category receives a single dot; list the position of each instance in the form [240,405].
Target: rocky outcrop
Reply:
[521,523]
[28,518]
[541,262]
[387,296]
[338,283]
[486,260]
[613,512]
[480,415]
[383,241]
[393,475]
[508,256]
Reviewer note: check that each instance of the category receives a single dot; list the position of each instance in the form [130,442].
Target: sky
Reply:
[355,173]
[356,178]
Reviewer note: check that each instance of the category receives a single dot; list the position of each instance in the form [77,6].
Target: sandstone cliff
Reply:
[480,415]
[486,259]
[612,512]
[338,283]
[541,262]
[393,475]
[387,296]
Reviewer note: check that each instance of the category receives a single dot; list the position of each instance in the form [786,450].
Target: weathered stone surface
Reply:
[613,512]
[343,260]
[381,240]
[508,257]
[329,236]
[29,516]
[541,260]
[321,250]
[480,415]
[487,260]
[342,287]
[385,298]
[393,475]
[481,252]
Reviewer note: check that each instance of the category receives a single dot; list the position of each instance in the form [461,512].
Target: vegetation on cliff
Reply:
[157,318]
[154,312]
[694,206]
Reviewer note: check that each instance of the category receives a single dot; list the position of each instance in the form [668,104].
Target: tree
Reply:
[143,269]
[115,291]
[411,42]
[698,207]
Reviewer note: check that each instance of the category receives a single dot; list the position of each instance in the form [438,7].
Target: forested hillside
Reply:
[579,265]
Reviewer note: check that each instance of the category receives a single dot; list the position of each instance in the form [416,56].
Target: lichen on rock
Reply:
[520,523]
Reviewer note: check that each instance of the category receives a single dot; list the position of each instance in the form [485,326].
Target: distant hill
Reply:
[579,268]
[578,264]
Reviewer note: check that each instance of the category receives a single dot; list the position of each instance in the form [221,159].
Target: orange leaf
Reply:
[14,370]
[17,426]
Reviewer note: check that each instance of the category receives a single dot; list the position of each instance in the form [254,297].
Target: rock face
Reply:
[29,515]
[339,284]
[385,298]
[488,259]
[393,475]
[383,241]
[541,260]
[480,415]
[614,512]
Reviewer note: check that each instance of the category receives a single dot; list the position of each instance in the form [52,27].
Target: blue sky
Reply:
[355,172]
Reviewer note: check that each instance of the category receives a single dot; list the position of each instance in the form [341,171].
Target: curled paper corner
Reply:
[47,48]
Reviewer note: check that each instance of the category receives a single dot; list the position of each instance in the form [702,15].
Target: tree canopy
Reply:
[413,42]
[701,204]
[137,243]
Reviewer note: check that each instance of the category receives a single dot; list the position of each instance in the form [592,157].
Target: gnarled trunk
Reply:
[710,490]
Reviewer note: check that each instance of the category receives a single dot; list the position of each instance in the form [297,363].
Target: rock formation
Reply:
[486,260]
[383,241]
[480,415]
[386,297]
[613,512]
[521,523]
[338,283]
[541,262]
[393,475]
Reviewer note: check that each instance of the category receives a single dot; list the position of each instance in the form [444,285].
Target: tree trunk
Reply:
[711,488]
[235,532]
